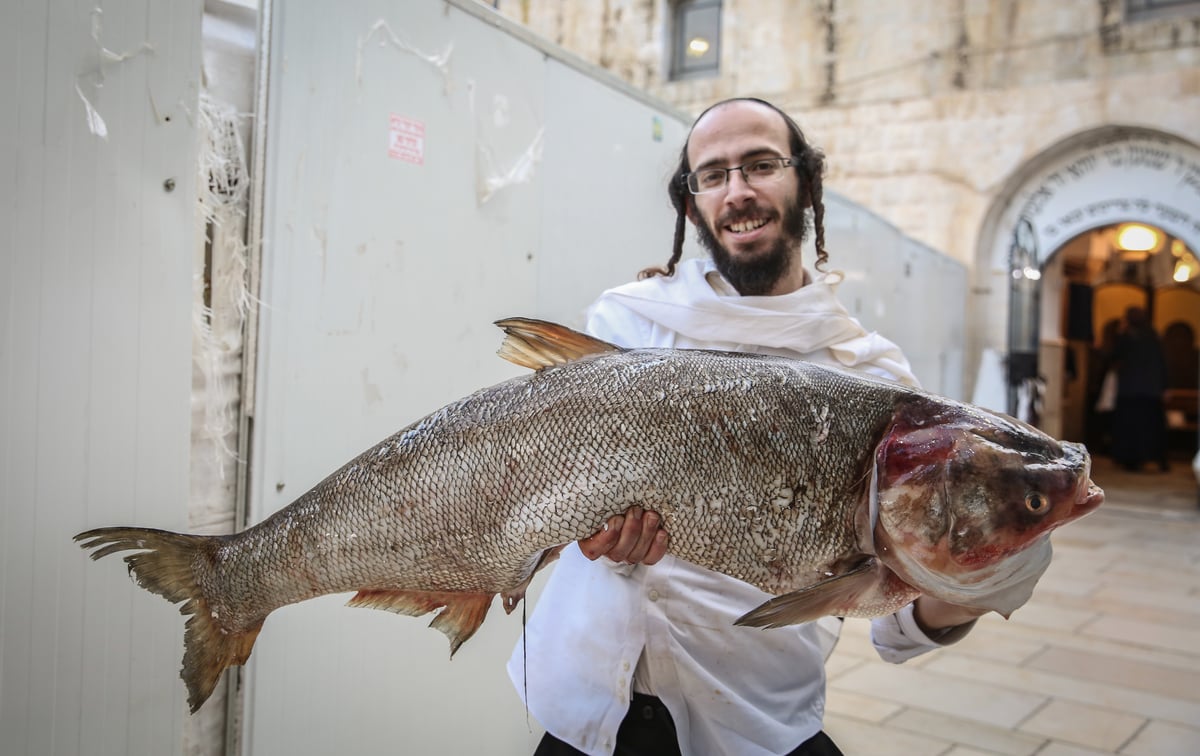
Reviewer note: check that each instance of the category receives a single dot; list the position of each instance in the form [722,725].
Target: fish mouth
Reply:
[1091,500]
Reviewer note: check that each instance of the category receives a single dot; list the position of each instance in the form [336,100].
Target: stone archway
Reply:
[1104,176]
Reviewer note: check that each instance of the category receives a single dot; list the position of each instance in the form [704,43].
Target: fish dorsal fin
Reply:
[538,344]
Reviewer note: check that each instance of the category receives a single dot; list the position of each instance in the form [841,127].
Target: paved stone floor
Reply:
[1104,659]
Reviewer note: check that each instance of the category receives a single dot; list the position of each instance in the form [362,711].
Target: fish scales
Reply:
[544,463]
[832,490]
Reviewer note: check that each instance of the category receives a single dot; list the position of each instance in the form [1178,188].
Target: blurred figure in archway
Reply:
[1139,428]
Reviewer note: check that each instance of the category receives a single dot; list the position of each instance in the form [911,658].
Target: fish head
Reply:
[964,501]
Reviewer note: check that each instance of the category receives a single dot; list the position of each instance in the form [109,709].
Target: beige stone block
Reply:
[1009,631]
[1056,748]
[1081,724]
[1138,632]
[958,696]
[1164,739]
[857,737]
[969,734]
[1050,685]
[858,706]
[1156,678]
[1051,616]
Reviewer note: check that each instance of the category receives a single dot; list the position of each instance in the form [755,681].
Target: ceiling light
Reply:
[1134,237]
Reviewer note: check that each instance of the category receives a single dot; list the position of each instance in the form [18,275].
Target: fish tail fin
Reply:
[166,563]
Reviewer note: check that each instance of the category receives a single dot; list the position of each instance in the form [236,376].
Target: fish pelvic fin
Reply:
[538,344]
[463,613]
[868,590]
[165,563]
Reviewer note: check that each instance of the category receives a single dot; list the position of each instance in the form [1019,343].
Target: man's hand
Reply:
[635,537]
[934,615]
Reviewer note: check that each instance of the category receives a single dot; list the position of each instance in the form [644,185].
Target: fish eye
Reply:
[1036,503]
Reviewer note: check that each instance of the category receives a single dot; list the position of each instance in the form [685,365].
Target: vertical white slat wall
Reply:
[95,332]
[538,185]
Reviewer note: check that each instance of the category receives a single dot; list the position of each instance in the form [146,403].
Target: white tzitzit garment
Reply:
[703,311]
[602,629]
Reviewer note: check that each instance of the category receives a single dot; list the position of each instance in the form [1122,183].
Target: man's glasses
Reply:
[761,171]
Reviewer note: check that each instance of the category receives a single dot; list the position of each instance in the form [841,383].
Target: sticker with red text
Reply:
[406,139]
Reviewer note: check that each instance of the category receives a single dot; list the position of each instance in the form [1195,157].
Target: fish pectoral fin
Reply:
[512,597]
[538,344]
[463,613]
[838,596]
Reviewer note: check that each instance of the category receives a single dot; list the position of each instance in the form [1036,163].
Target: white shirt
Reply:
[601,629]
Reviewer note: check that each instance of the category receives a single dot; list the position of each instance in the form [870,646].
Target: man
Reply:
[637,653]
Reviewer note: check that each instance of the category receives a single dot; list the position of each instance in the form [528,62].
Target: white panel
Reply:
[606,212]
[906,291]
[95,284]
[381,281]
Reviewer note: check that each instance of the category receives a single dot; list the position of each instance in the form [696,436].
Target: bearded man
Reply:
[637,652]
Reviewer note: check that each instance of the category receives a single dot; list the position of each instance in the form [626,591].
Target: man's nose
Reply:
[737,187]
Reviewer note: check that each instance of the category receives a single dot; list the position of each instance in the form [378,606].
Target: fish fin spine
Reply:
[462,612]
[538,344]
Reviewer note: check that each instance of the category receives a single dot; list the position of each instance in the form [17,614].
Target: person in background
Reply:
[630,650]
[1139,425]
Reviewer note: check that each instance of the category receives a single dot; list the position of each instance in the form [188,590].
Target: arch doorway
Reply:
[1051,273]
[1090,283]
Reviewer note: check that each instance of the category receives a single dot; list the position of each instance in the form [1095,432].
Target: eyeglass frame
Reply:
[787,162]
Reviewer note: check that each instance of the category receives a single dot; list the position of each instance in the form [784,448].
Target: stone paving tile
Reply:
[989,628]
[1148,596]
[1039,612]
[1159,614]
[1080,724]
[1164,739]
[1146,634]
[1103,668]
[998,647]
[949,694]
[1067,749]
[1050,685]
[993,740]
[857,738]
[857,706]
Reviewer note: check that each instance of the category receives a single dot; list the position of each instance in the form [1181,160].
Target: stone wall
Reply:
[926,108]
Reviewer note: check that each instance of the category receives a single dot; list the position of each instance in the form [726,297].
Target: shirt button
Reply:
[653,595]
[625,666]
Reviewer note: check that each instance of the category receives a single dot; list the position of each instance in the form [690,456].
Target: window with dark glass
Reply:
[695,38]
[1139,10]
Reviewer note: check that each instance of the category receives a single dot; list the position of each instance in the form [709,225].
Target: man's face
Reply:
[753,232]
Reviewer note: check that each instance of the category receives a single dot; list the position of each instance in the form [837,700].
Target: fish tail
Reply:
[169,564]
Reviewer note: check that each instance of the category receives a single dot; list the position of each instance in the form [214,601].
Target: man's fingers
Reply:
[631,531]
[658,549]
[644,539]
[600,543]
[636,537]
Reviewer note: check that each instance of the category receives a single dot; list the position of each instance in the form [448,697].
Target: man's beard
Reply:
[759,274]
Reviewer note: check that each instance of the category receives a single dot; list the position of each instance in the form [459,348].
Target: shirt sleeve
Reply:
[898,638]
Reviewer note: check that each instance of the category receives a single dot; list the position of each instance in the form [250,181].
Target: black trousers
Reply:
[648,730]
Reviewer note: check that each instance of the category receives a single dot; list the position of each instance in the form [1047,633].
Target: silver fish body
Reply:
[840,493]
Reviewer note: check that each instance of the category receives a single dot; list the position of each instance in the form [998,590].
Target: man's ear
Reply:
[692,214]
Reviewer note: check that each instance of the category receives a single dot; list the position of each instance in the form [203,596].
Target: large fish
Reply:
[836,492]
